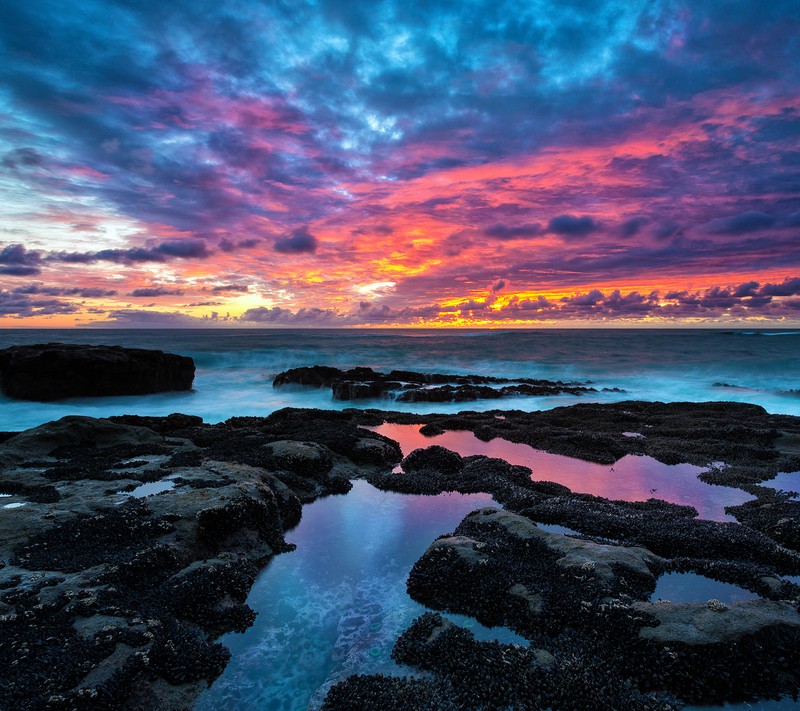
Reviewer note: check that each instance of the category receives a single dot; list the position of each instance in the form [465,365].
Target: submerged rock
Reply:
[55,371]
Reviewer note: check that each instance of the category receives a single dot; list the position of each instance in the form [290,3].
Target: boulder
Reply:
[73,431]
[55,371]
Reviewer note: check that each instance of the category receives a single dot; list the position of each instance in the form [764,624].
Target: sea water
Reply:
[235,367]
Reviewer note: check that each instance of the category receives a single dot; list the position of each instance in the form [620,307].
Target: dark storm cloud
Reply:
[571,226]
[741,224]
[504,232]
[299,242]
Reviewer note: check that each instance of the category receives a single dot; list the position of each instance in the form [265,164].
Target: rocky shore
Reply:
[113,599]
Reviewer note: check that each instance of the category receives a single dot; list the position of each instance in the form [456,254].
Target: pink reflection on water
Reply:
[632,478]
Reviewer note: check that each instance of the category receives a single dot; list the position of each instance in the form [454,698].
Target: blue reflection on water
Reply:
[691,587]
[336,605]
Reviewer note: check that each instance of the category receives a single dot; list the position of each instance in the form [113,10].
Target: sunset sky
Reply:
[436,163]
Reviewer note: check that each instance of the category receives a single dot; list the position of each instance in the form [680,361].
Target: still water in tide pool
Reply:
[632,478]
[336,605]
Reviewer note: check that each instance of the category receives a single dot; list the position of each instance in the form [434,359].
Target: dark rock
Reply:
[436,458]
[407,386]
[163,425]
[318,376]
[55,371]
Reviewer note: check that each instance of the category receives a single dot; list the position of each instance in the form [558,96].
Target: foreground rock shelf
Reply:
[108,600]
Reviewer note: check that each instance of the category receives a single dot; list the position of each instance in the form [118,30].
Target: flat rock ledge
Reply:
[408,386]
[54,371]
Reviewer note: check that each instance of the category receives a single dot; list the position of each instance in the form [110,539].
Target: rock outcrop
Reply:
[55,371]
[408,386]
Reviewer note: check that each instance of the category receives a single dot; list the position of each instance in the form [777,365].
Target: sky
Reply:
[437,163]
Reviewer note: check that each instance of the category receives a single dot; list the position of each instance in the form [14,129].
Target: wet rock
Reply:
[668,530]
[112,601]
[489,675]
[318,376]
[701,624]
[367,693]
[163,425]
[73,431]
[507,570]
[476,474]
[711,653]
[436,458]
[305,458]
[408,386]
[55,371]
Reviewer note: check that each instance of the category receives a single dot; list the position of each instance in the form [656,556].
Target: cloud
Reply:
[743,223]
[196,248]
[220,288]
[279,315]
[84,292]
[227,245]
[789,287]
[154,291]
[633,226]
[499,285]
[504,232]
[20,305]
[17,260]
[571,226]
[300,241]
[22,158]
[631,120]
[127,318]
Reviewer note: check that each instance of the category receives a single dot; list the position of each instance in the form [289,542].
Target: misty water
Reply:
[235,367]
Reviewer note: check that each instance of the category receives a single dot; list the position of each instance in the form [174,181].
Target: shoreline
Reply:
[236,487]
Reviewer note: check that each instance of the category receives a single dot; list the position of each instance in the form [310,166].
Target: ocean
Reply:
[235,368]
